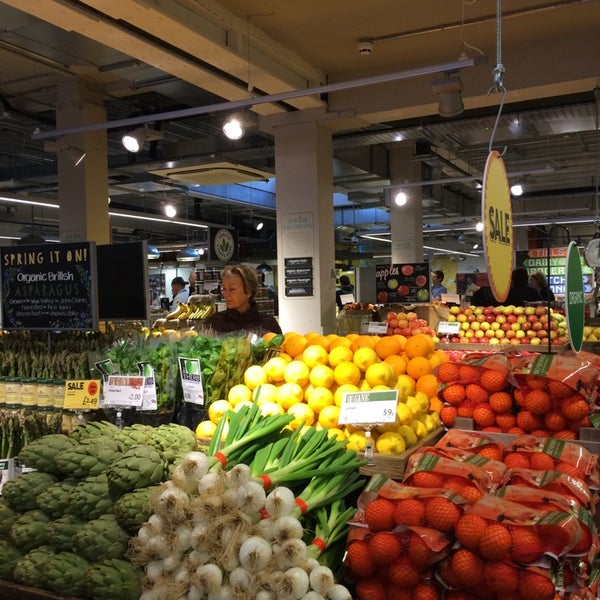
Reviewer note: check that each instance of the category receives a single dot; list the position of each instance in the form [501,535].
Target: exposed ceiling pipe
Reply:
[249,102]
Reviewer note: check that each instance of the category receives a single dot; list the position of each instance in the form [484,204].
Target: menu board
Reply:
[298,275]
[401,283]
[49,286]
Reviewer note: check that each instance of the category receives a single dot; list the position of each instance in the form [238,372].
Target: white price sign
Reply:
[377,328]
[191,380]
[448,328]
[375,406]
[123,390]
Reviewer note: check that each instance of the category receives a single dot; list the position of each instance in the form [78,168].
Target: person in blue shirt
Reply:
[437,289]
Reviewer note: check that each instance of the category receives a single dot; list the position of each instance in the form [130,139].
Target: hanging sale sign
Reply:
[574,300]
[497,221]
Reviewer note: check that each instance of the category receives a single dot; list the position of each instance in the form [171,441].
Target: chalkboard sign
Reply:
[49,286]
[123,282]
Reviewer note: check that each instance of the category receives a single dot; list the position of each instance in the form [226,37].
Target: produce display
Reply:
[480,519]
[311,374]
[407,324]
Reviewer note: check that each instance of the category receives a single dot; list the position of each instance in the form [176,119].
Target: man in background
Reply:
[437,289]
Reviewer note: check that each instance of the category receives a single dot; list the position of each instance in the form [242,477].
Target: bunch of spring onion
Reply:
[216,533]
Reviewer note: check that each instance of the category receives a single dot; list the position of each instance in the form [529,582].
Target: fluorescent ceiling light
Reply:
[18,200]
[157,219]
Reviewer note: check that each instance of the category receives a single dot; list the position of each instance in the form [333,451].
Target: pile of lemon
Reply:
[313,372]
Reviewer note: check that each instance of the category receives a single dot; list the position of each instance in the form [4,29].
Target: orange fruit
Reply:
[387,346]
[320,340]
[268,336]
[538,402]
[295,345]
[447,372]
[340,341]
[418,345]
[467,567]
[397,362]
[469,530]
[435,404]
[364,341]
[495,543]
[409,511]
[418,366]
[428,384]
[442,514]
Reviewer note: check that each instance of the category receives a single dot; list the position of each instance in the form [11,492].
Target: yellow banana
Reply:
[174,314]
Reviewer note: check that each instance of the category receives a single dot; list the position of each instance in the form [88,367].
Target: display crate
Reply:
[394,466]
[14,591]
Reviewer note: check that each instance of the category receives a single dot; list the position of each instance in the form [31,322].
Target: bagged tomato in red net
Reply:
[466,479]
[476,442]
[560,455]
[534,533]
[554,481]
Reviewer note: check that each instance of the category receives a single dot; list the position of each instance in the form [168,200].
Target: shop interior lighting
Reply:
[233,127]
[153,252]
[516,189]
[135,140]
[448,90]
[400,199]
[479,226]
[188,254]
[170,211]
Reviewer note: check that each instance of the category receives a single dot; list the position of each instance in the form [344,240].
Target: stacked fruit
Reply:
[407,324]
[313,372]
[504,395]
[431,537]
[534,325]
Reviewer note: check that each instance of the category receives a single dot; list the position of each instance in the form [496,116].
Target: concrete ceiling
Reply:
[141,58]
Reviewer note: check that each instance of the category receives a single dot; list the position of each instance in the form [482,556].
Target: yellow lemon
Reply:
[315,355]
[240,405]
[423,399]
[265,392]
[414,405]
[217,409]
[319,398]
[419,428]
[364,357]
[344,388]
[338,355]
[337,433]
[321,376]
[205,429]
[347,372]
[390,443]
[329,415]
[404,414]
[436,417]
[296,372]
[239,393]
[254,376]
[405,386]
[303,415]
[274,368]
[363,385]
[409,435]
[428,421]
[357,441]
[380,373]
[289,394]
[388,426]
[271,408]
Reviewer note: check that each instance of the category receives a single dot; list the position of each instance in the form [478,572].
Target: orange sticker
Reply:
[498,226]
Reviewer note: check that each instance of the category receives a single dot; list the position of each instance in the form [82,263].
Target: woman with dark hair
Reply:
[538,280]
[520,291]
[239,285]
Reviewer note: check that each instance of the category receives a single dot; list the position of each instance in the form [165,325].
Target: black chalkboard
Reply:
[123,282]
[49,286]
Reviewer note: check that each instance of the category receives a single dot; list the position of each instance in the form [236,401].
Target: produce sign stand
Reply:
[15,591]
[394,466]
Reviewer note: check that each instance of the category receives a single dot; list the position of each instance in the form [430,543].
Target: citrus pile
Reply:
[313,372]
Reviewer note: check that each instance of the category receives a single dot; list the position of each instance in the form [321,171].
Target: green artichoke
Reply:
[90,457]
[134,435]
[21,492]
[29,530]
[31,569]
[101,538]
[65,572]
[90,498]
[7,517]
[173,440]
[113,579]
[138,467]
[60,532]
[9,555]
[55,498]
[133,509]
[93,429]
[40,454]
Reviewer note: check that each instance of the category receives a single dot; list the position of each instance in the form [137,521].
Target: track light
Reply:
[188,254]
[400,199]
[153,252]
[516,189]
[448,90]
[170,211]
[134,140]
[257,224]
[76,154]
[233,128]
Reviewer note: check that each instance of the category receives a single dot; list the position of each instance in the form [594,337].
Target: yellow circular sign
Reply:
[498,226]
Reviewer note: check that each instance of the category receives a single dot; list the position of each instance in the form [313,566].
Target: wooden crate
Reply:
[394,466]
[14,591]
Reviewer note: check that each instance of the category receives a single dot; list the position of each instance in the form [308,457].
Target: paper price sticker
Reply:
[377,328]
[375,406]
[124,390]
[82,394]
[190,372]
[448,328]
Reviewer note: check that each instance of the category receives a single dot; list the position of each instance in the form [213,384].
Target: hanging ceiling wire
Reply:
[498,71]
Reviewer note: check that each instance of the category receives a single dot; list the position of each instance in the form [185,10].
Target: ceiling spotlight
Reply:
[400,199]
[60,145]
[479,226]
[153,252]
[134,140]
[233,128]
[448,90]
[170,211]
[188,254]
[516,189]
[475,246]
[257,224]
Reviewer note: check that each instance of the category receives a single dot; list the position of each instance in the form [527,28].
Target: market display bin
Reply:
[15,591]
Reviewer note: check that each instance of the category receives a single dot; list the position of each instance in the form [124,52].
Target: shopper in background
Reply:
[538,280]
[179,291]
[239,285]
[520,291]
[345,288]
[437,289]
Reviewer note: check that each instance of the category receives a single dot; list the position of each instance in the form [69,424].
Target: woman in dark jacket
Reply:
[239,286]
